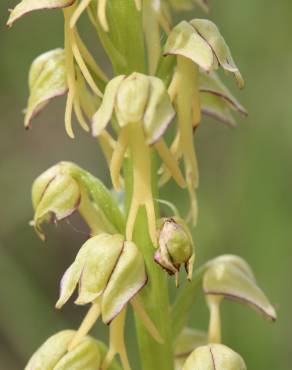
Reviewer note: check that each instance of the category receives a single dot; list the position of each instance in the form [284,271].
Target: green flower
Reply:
[54,354]
[108,270]
[65,188]
[231,277]
[214,356]
[175,247]
[141,107]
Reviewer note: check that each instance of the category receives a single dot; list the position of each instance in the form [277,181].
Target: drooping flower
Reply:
[176,247]
[65,188]
[109,272]
[56,72]
[142,108]
[196,44]
[54,354]
[231,277]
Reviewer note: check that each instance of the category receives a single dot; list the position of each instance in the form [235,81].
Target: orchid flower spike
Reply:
[141,106]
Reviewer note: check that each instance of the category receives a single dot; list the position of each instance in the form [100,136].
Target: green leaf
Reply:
[27,6]
[47,80]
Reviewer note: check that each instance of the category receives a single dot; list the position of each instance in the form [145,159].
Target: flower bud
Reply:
[175,247]
[188,340]
[64,188]
[232,278]
[54,354]
[214,356]
[108,270]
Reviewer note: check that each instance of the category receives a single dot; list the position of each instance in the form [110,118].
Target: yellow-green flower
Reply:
[175,247]
[54,354]
[197,44]
[214,356]
[231,277]
[142,109]
[65,188]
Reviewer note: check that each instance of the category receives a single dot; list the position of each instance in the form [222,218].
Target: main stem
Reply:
[126,34]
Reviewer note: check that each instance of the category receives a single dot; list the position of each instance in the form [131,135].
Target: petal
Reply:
[27,6]
[159,112]
[185,41]
[232,282]
[101,257]
[102,117]
[47,80]
[127,279]
[211,34]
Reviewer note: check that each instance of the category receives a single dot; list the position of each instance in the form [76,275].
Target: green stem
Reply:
[154,296]
[184,301]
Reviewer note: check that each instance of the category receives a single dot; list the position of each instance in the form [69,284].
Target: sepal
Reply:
[47,80]
[27,6]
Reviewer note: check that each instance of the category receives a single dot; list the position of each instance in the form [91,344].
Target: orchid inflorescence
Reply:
[164,79]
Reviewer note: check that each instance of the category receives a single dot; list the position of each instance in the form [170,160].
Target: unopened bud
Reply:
[175,247]
[54,354]
[214,356]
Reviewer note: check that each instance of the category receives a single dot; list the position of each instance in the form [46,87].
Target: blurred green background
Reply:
[245,191]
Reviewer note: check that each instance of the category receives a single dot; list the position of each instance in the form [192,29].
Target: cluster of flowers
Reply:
[109,268]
